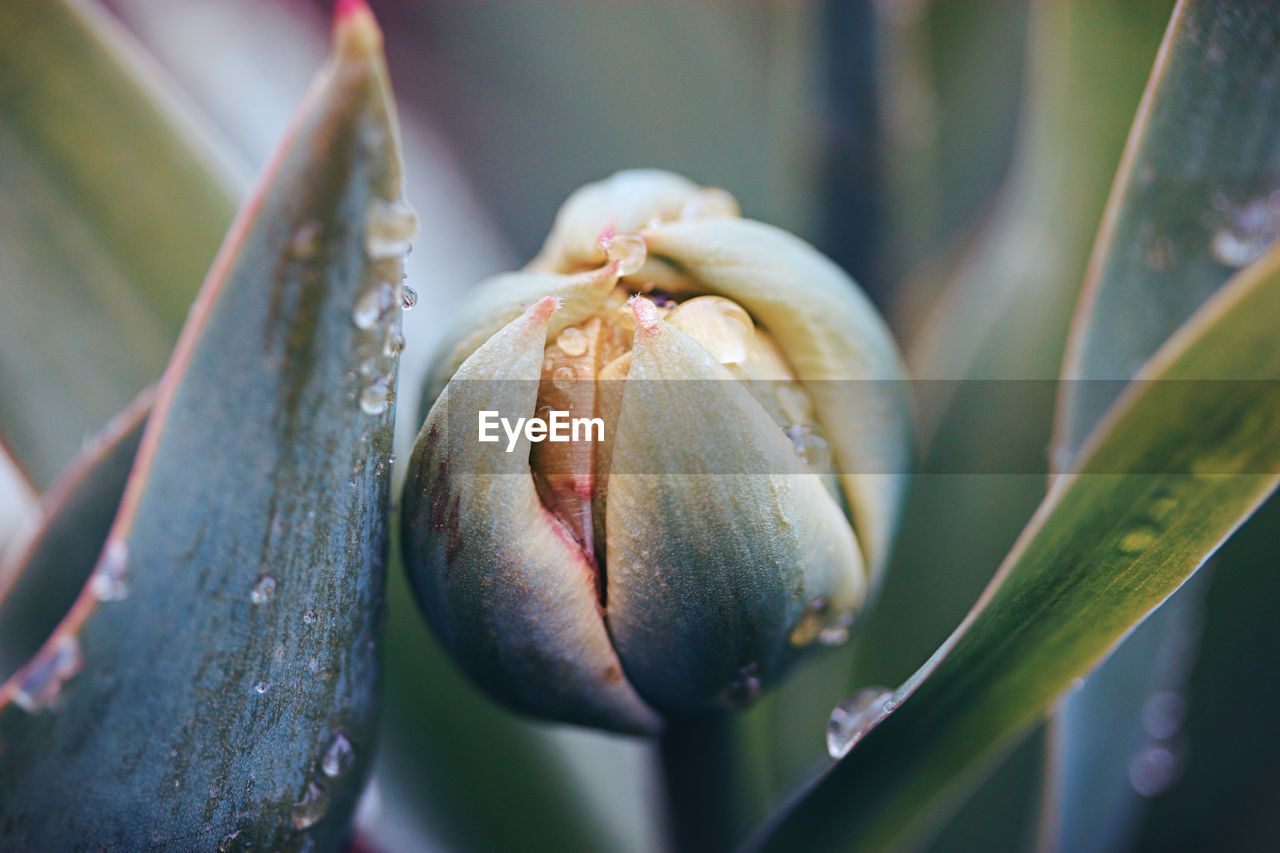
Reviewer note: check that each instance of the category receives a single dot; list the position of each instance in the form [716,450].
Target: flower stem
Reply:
[698,764]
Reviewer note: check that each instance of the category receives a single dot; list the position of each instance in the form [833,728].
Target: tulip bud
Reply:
[733,510]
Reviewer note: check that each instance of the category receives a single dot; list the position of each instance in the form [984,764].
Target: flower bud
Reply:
[735,506]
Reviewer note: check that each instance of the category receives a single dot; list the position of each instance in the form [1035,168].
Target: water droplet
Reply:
[109,582]
[1250,230]
[408,297]
[393,345]
[855,716]
[1153,770]
[389,226]
[745,687]
[264,590]
[306,240]
[1163,713]
[628,250]
[563,378]
[309,617]
[710,202]
[311,808]
[1139,539]
[721,326]
[261,687]
[809,626]
[373,305]
[375,397]
[572,342]
[837,633]
[339,757]
[1159,253]
[811,446]
[41,681]
[793,402]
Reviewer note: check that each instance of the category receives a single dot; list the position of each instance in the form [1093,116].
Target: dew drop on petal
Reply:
[389,226]
[373,305]
[572,342]
[855,716]
[808,627]
[311,807]
[261,687]
[563,378]
[627,250]
[339,757]
[41,681]
[264,590]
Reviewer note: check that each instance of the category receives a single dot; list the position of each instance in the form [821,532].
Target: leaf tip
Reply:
[356,34]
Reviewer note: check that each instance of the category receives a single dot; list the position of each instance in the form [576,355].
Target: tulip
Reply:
[740,506]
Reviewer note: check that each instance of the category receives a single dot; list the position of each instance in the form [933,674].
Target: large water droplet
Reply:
[339,757]
[855,716]
[389,226]
[311,808]
[721,326]
[41,682]
[572,342]
[375,397]
[264,590]
[109,582]
[628,250]
[745,687]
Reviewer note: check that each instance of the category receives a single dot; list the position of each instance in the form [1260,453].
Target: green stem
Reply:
[698,769]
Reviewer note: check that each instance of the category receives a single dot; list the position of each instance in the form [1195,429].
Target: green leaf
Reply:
[219,694]
[1179,462]
[111,206]
[1201,162]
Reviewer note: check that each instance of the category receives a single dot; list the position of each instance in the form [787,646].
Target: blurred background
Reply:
[955,157]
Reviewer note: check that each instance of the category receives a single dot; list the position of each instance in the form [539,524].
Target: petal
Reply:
[828,330]
[709,571]
[503,584]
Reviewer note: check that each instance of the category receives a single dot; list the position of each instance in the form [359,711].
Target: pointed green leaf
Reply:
[1192,202]
[227,692]
[1179,462]
[112,203]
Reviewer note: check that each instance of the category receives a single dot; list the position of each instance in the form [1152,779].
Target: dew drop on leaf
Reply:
[389,226]
[264,590]
[408,297]
[42,680]
[375,397]
[311,808]
[109,582]
[563,378]
[855,716]
[373,305]
[393,345]
[306,240]
[745,688]
[1152,770]
[339,757]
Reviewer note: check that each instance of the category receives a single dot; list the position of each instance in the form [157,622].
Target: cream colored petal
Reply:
[828,330]
[497,301]
[625,202]
[508,591]
[709,571]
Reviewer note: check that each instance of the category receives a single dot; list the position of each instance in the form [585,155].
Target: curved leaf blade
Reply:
[212,704]
[112,203]
[1203,145]
[1105,548]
